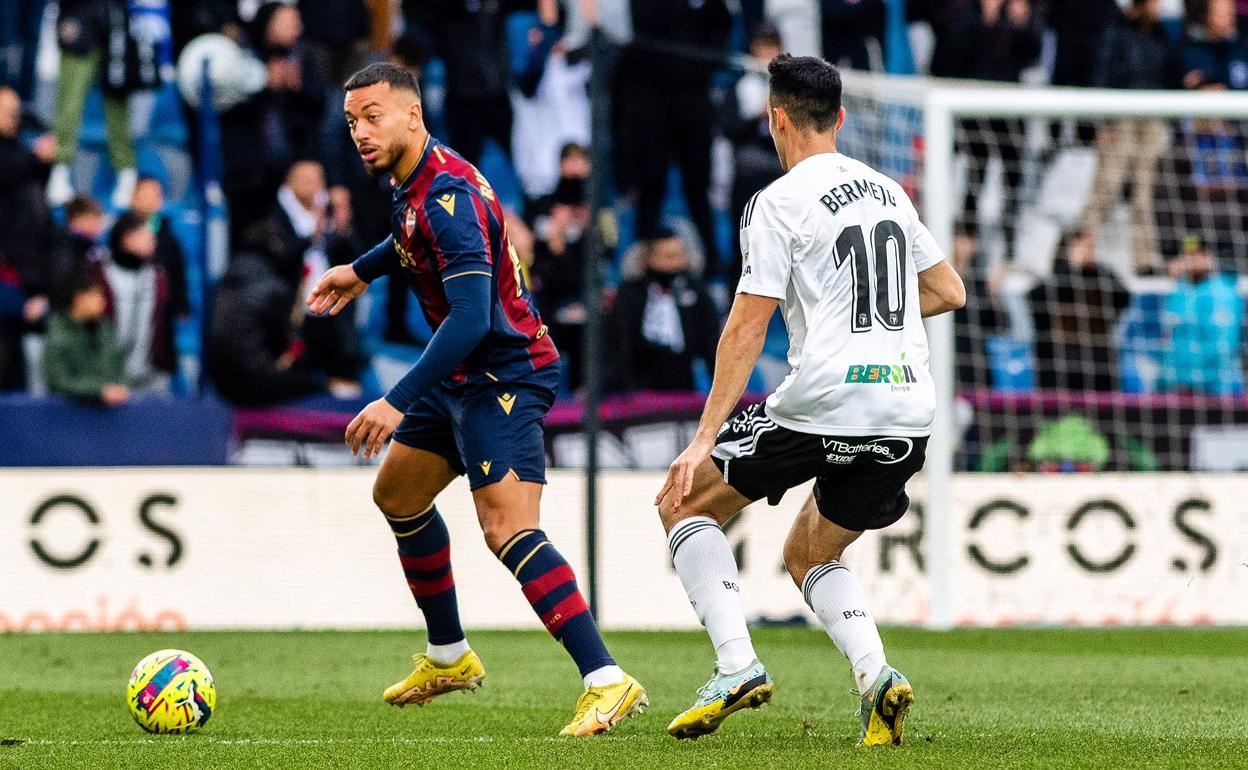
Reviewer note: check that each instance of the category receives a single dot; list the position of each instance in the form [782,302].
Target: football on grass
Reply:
[171,691]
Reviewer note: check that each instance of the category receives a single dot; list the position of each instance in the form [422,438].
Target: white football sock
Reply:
[447,654]
[838,600]
[603,676]
[704,561]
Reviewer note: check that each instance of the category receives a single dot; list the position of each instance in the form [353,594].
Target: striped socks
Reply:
[838,600]
[704,561]
[550,586]
[425,553]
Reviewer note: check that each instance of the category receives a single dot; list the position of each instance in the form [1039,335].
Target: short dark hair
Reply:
[127,223]
[79,281]
[81,206]
[573,148]
[809,90]
[384,72]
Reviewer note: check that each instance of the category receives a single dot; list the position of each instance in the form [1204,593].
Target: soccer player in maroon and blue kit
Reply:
[473,403]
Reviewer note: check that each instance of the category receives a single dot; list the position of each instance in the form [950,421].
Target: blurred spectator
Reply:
[13,324]
[1214,56]
[337,31]
[755,163]
[798,22]
[1205,194]
[190,20]
[847,26]
[1207,174]
[552,109]
[266,133]
[81,358]
[20,22]
[574,167]
[254,353]
[76,247]
[1204,318]
[317,237]
[559,271]
[979,319]
[299,214]
[88,31]
[1079,27]
[1075,312]
[664,111]
[1136,53]
[988,40]
[149,203]
[24,219]
[662,322]
[471,38]
[140,304]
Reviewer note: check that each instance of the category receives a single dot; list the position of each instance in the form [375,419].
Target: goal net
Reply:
[1102,237]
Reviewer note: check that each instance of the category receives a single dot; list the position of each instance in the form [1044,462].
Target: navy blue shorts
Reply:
[488,431]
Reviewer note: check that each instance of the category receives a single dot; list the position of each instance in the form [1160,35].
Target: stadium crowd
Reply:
[99,299]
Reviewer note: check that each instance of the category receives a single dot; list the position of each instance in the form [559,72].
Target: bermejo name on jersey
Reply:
[841,246]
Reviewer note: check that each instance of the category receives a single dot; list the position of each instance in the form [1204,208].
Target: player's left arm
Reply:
[940,290]
[459,238]
[940,286]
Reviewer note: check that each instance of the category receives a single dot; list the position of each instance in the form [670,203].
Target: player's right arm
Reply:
[339,285]
[767,246]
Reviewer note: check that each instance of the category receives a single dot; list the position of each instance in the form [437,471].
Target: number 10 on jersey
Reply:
[888,243]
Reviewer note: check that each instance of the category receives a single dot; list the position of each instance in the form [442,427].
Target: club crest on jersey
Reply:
[409,221]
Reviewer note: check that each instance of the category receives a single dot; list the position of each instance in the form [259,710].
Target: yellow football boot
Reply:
[601,708]
[431,679]
[720,698]
[884,708]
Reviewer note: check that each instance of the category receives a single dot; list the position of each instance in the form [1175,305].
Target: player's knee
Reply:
[796,561]
[667,515]
[671,516]
[497,527]
[393,502]
[497,531]
[800,557]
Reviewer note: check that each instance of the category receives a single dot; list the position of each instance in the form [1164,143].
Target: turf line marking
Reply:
[201,739]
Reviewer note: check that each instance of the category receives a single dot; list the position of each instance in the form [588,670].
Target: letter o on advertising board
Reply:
[57,560]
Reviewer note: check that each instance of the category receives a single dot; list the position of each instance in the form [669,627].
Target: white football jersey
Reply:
[841,246]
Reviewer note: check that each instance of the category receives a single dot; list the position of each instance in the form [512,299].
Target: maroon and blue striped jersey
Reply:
[447,223]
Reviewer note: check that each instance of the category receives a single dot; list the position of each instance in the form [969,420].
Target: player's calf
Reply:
[549,584]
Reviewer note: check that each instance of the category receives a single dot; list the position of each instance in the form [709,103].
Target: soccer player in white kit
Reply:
[840,249]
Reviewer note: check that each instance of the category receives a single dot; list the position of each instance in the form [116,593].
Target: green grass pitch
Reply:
[1010,698]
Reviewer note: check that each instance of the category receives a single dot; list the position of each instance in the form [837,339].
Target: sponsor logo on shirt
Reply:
[880,373]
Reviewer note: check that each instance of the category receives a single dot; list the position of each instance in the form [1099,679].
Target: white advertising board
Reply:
[104,549]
